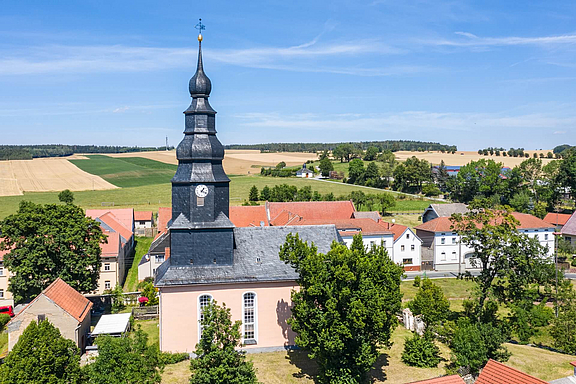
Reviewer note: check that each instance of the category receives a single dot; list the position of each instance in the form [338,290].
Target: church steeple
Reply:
[200,187]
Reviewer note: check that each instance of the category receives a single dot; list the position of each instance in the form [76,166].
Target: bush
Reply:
[417,280]
[431,303]
[430,190]
[173,358]
[573,263]
[4,319]
[420,351]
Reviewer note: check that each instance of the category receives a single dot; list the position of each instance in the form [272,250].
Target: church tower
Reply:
[201,233]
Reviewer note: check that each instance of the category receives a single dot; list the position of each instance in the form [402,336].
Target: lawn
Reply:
[150,327]
[142,247]
[453,288]
[127,172]
[407,220]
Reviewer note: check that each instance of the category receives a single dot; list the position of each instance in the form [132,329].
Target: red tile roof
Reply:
[112,221]
[248,216]
[284,218]
[498,373]
[164,216]
[68,299]
[557,218]
[444,224]
[123,215]
[396,229]
[314,209]
[350,226]
[452,379]
[143,215]
[112,248]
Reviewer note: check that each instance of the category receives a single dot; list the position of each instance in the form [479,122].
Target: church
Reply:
[211,258]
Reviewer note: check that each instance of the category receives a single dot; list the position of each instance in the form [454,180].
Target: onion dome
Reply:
[200,85]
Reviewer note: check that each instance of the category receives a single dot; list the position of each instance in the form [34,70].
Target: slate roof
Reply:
[255,257]
[68,299]
[444,224]
[374,215]
[570,227]
[498,373]
[452,379]
[446,210]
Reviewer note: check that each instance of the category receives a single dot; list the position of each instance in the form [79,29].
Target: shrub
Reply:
[4,319]
[420,351]
[417,280]
[173,358]
[431,303]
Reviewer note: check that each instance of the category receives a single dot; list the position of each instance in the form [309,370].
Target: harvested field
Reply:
[464,157]
[43,175]
[236,162]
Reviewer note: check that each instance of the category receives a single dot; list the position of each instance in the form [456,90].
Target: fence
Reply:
[145,313]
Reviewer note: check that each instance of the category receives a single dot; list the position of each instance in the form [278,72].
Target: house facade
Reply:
[5,295]
[143,223]
[60,304]
[448,252]
[568,231]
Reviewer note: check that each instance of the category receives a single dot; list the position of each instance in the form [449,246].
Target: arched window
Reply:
[249,318]
[203,302]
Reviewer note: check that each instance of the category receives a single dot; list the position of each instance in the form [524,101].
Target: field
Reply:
[236,162]
[50,174]
[142,247]
[464,157]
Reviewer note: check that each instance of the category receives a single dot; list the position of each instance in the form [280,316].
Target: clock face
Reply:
[201,191]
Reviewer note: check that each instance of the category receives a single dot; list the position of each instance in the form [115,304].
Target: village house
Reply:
[5,295]
[568,230]
[443,210]
[211,258]
[443,243]
[118,226]
[304,172]
[60,304]
[557,219]
[143,223]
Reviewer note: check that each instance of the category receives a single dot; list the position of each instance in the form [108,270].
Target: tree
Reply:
[430,190]
[324,155]
[50,241]
[567,172]
[478,178]
[372,175]
[431,303]
[326,166]
[346,306]
[474,343]
[356,171]
[386,201]
[265,194]
[117,298]
[125,360]
[42,355]
[218,361]
[563,326]
[253,196]
[66,196]
[371,153]
[150,292]
[511,264]
[420,351]
[280,165]
[442,176]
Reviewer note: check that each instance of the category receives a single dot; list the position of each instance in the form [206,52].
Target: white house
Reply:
[304,172]
[407,246]
[438,237]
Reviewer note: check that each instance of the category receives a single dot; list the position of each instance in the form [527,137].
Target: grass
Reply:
[407,220]
[127,172]
[150,327]
[142,246]
[3,343]
[453,288]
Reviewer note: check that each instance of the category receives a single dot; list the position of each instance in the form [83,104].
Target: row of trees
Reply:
[26,152]
[392,145]
[518,152]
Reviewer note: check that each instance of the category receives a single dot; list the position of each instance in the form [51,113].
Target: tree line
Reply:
[392,145]
[27,152]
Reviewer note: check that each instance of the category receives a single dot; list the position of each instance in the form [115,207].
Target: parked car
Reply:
[7,309]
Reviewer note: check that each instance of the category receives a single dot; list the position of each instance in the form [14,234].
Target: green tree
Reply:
[50,241]
[356,171]
[66,196]
[442,176]
[431,303]
[346,306]
[254,196]
[474,343]
[372,174]
[324,155]
[117,298]
[125,360]
[430,190]
[280,165]
[371,153]
[567,172]
[386,201]
[149,291]
[326,166]
[42,355]
[218,361]
[421,351]
[478,178]
[265,193]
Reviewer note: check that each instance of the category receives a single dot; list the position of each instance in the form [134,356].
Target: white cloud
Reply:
[121,109]
[559,132]
[476,41]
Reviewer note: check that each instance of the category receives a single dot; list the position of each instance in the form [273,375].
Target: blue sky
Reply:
[473,74]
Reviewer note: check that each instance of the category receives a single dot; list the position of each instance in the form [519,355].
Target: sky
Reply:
[471,74]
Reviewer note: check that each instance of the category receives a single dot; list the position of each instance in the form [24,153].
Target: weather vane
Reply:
[200,27]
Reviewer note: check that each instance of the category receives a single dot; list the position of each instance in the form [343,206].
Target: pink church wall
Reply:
[179,313]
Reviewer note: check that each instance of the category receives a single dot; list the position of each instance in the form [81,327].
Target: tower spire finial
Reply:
[200,27]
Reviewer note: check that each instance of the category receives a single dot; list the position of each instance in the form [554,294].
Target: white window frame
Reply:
[1,293]
[255,316]
[454,255]
[199,312]
[1,271]
[442,240]
[453,240]
[402,248]
[443,256]
[157,258]
[107,284]
[412,247]
[107,267]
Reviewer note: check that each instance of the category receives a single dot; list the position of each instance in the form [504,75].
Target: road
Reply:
[453,275]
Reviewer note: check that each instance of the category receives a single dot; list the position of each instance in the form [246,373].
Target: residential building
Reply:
[304,172]
[443,210]
[441,240]
[568,230]
[407,246]
[451,379]
[498,373]
[211,258]
[557,219]
[143,223]
[5,295]
[60,304]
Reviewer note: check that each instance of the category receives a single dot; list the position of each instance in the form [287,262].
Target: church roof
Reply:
[255,257]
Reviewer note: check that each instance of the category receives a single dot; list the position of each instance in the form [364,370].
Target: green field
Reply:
[145,185]
[126,172]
